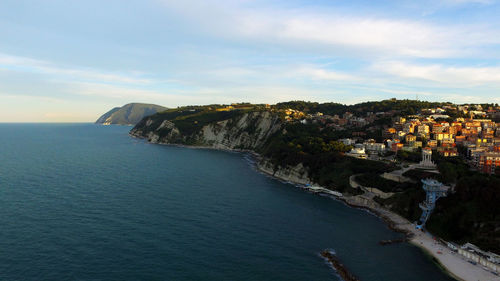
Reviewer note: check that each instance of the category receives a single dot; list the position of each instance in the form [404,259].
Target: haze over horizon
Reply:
[74,60]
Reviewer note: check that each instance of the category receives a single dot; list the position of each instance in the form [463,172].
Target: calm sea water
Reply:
[87,202]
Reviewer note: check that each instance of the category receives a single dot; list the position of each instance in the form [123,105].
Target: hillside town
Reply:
[475,136]
[468,132]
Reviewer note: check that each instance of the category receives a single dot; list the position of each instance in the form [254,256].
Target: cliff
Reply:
[288,150]
[129,114]
[246,130]
[296,174]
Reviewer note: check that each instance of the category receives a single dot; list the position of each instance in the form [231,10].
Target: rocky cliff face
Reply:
[247,131]
[297,174]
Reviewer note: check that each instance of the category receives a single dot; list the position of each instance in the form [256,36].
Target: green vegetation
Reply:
[190,124]
[405,203]
[130,113]
[472,212]
[411,156]
[419,174]
[320,153]
[402,107]
[385,185]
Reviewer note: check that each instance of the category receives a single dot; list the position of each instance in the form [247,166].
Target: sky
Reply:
[71,61]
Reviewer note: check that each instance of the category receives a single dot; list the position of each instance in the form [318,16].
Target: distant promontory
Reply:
[129,114]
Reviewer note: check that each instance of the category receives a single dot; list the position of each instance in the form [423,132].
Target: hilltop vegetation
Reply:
[403,107]
[129,114]
[189,120]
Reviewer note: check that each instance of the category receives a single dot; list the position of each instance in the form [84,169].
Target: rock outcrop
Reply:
[247,131]
[296,174]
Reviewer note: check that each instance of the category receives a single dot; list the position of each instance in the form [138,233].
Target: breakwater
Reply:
[341,269]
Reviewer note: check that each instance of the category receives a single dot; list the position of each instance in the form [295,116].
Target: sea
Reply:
[89,202]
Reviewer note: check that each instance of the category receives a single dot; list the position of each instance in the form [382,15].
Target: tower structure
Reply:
[433,190]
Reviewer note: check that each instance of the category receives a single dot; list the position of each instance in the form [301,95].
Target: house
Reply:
[374,147]
[487,259]
[443,136]
[448,153]
[410,138]
[389,133]
[437,128]
[347,141]
[489,162]
[227,108]
[396,146]
[358,151]
[432,143]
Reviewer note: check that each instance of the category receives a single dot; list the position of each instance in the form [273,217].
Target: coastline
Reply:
[453,264]
[450,262]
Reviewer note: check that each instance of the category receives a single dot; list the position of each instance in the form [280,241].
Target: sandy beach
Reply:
[455,264]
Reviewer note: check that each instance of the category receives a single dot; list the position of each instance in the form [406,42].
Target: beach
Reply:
[455,264]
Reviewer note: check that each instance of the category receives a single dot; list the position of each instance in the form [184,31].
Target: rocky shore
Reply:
[334,261]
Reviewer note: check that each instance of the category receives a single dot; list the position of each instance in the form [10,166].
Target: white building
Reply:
[374,147]
[487,259]
[358,152]
[427,159]
[347,141]
[437,116]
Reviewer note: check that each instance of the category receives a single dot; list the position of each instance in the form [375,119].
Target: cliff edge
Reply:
[220,130]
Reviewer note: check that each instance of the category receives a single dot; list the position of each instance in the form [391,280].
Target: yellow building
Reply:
[227,108]
[410,138]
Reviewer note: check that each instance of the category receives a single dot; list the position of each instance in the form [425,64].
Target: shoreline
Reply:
[451,263]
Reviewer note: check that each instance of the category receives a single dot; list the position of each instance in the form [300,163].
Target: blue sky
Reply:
[74,60]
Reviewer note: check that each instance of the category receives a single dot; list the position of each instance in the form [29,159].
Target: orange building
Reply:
[460,139]
[448,153]
[396,146]
[432,143]
[437,128]
[489,162]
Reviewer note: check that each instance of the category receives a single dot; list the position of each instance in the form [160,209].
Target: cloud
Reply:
[317,73]
[112,91]
[15,60]
[451,75]
[25,64]
[465,98]
[332,32]
[31,98]
[262,93]
[462,2]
